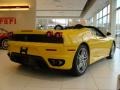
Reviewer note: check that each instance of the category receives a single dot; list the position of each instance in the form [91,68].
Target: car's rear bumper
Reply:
[51,54]
[27,59]
[60,62]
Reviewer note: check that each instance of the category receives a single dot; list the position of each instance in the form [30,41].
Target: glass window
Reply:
[118,3]
[73,21]
[105,25]
[100,14]
[60,21]
[91,21]
[108,8]
[117,32]
[97,15]
[108,19]
[100,22]
[40,23]
[105,11]
[49,23]
[118,17]
[97,23]
[104,20]
[118,21]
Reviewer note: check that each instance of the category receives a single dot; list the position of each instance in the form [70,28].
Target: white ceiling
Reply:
[58,13]
[97,6]
[61,8]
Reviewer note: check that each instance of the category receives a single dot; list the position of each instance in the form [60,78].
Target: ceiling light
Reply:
[14,8]
[61,12]
[59,6]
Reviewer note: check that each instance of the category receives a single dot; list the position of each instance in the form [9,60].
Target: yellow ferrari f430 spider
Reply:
[72,48]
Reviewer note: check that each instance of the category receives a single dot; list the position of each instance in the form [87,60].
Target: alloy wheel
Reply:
[82,58]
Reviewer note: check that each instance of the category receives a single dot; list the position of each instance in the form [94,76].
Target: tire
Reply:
[81,60]
[4,44]
[112,51]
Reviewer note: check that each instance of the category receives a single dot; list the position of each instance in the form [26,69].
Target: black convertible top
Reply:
[78,26]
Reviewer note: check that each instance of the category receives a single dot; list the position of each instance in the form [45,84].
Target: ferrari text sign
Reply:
[7,20]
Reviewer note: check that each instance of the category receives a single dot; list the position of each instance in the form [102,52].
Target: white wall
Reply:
[24,19]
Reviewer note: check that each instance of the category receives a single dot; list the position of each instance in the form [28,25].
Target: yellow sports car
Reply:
[72,48]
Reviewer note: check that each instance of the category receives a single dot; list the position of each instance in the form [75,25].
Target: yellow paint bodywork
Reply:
[99,47]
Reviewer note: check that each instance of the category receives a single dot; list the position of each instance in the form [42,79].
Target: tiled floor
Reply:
[99,76]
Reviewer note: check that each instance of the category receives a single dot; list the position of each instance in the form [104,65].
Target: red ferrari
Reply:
[4,36]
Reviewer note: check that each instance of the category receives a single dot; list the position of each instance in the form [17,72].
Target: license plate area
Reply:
[23,51]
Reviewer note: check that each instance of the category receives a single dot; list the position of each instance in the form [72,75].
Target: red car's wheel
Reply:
[5,43]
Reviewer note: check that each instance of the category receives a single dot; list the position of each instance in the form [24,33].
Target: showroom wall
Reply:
[22,19]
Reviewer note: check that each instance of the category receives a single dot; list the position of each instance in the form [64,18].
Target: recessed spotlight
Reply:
[61,12]
[59,6]
[57,1]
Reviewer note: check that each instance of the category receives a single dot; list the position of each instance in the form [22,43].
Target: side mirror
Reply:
[108,34]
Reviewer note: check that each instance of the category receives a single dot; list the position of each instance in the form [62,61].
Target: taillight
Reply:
[58,34]
[49,34]
[10,34]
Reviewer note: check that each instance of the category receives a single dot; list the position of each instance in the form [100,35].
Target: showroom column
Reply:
[112,16]
[94,20]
